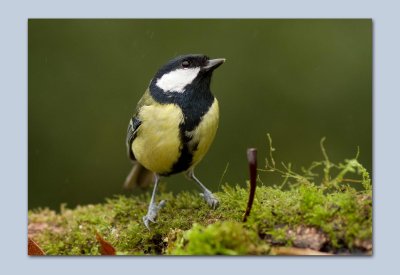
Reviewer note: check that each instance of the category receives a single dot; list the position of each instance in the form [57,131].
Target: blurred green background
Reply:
[299,80]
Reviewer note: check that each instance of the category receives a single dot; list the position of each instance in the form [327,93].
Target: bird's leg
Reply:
[153,207]
[211,200]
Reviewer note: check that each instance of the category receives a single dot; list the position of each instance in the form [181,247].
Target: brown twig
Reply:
[352,180]
[252,160]
[294,251]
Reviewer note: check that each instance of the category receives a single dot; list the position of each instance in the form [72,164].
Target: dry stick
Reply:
[294,251]
[252,160]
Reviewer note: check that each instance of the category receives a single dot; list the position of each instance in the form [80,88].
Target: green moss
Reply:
[220,238]
[334,215]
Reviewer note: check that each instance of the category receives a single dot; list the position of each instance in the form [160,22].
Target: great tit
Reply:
[174,125]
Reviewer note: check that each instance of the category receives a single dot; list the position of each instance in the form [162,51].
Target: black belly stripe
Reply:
[186,152]
[184,161]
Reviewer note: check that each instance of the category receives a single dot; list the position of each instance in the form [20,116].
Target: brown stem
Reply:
[290,251]
[252,161]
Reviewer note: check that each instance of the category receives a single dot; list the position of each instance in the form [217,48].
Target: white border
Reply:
[13,138]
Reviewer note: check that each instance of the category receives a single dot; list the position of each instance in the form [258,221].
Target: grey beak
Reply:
[213,64]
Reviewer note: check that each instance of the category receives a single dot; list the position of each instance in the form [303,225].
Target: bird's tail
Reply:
[138,176]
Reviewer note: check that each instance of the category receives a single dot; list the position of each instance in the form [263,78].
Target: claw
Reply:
[146,222]
[161,204]
[151,215]
[211,200]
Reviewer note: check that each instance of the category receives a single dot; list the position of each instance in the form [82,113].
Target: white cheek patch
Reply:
[177,80]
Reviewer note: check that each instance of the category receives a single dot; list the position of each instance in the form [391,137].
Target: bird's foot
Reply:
[211,200]
[151,215]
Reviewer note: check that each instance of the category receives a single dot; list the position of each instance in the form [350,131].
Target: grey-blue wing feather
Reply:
[139,175]
[133,126]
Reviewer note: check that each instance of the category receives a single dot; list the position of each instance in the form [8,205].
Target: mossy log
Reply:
[303,217]
[322,212]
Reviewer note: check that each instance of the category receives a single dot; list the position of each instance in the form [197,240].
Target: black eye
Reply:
[185,64]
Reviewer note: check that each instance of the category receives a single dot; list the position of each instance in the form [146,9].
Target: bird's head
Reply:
[185,70]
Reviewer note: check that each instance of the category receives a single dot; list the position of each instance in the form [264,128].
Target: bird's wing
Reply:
[135,122]
[133,126]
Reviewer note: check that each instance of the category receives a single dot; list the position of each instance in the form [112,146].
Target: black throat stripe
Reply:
[194,103]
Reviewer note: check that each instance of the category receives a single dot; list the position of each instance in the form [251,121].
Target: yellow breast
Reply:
[157,143]
[204,133]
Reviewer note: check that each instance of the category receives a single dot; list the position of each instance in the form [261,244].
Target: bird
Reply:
[173,126]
